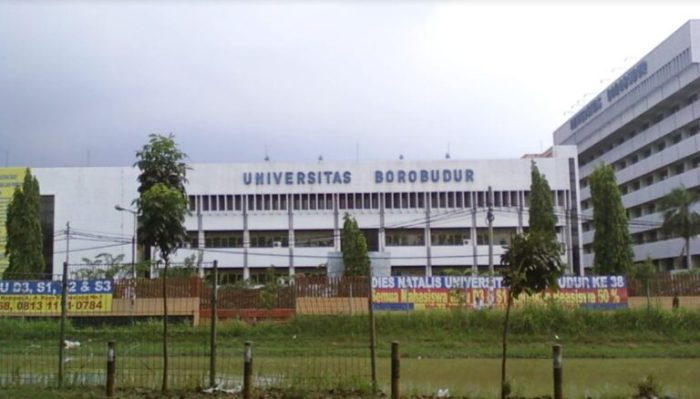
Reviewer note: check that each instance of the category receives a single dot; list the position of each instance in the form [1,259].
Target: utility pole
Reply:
[67,242]
[489,219]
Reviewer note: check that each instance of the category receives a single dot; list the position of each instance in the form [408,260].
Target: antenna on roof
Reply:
[320,158]
[447,154]
[401,157]
[267,157]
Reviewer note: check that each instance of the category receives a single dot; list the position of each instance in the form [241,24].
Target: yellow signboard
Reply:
[9,179]
[83,303]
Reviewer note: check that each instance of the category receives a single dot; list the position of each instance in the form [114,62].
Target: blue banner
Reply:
[49,287]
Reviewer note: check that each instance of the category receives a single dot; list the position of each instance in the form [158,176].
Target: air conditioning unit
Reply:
[466,242]
[276,244]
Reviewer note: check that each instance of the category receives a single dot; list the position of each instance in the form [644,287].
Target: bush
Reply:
[648,388]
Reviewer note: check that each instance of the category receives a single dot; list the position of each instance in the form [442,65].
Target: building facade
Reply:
[645,124]
[419,217]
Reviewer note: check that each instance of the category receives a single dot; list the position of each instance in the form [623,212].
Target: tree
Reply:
[542,219]
[24,247]
[644,272]
[611,242]
[354,248]
[160,161]
[105,265]
[162,206]
[532,265]
[679,218]
[270,291]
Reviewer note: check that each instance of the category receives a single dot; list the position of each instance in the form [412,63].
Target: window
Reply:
[205,203]
[413,201]
[223,239]
[405,237]
[283,202]
[503,235]
[192,201]
[678,169]
[313,238]
[192,240]
[440,237]
[251,202]
[269,239]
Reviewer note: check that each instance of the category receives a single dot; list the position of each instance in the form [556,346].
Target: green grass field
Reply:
[605,352]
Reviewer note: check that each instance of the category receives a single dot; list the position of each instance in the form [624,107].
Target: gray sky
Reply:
[83,83]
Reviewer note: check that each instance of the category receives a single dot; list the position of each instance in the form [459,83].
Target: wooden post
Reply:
[247,370]
[558,368]
[213,316]
[372,334]
[111,367]
[62,333]
[395,370]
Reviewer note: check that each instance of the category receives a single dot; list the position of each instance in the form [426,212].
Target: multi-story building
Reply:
[419,217]
[645,124]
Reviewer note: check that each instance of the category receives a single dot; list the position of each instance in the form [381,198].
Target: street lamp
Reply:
[133,237]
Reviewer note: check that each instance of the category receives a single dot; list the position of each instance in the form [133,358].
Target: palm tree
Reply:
[679,218]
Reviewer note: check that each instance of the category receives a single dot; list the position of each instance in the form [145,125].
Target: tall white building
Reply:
[645,125]
[419,217]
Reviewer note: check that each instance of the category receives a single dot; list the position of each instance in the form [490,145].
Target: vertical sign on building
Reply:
[9,179]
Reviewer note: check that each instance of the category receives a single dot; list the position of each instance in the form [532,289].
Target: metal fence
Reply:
[667,284]
[36,349]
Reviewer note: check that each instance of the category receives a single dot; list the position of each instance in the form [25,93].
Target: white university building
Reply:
[645,124]
[419,217]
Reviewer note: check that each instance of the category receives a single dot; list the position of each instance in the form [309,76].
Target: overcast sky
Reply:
[82,83]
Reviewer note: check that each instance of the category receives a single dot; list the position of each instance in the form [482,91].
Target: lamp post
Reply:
[133,237]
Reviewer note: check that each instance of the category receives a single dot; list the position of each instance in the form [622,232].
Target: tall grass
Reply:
[526,322]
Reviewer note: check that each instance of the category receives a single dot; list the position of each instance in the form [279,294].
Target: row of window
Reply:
[644,237]
[653,148]
[616,140]
[324,238]
[634,95]
[408,200]
[658,175]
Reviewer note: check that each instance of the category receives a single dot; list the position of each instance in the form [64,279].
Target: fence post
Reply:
[247,370]
[372,334]
[213,316]
[395,370]
[558,368]
[111,367]
[62,333]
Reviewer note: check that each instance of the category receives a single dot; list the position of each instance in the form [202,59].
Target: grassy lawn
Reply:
[605,353]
